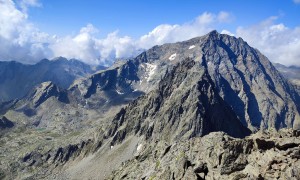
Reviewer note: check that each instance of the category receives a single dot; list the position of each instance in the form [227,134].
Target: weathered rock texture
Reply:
[268,155]
[186,104]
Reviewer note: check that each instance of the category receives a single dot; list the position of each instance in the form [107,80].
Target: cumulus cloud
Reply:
[85,46]
[224,31]
[173,33]
[82,46]
[278,42]
[20,40]
[92,50]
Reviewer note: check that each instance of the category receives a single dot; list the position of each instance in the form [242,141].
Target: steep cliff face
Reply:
[247,81]
[107,88]
[44,91]
[186,104]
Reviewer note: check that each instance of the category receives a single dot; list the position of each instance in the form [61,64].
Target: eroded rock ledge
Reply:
[264,155]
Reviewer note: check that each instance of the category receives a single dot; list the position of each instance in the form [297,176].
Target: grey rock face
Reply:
[247,81]
[45,91]
[185,105]
[5,123]
[111,87]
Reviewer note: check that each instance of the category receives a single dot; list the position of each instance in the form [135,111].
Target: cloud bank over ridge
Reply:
[22,41]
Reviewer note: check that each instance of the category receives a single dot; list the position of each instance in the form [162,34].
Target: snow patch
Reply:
[172,57]
[119,92]
[192,47]
[139,148]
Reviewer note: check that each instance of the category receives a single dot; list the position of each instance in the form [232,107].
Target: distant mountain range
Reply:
[290,72]
[18,79]
[154,116]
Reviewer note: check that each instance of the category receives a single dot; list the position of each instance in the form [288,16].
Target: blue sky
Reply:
[99,31]
[137,17]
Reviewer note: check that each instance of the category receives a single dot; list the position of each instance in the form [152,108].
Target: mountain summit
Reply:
[243,77]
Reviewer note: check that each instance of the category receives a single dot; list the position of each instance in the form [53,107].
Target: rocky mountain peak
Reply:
[249,83]
[214,34]
[186,104]
[44,91]
[60,58]
[243,77]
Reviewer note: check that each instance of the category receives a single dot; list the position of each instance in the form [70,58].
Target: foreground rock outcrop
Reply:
[265,155]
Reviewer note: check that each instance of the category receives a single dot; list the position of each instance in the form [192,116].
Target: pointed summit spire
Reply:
[213,32]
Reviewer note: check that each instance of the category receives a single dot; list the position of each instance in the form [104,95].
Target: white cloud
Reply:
[20,40]
[296,1]
[24,4]
[88,47]
[225,17]
[82,46]
[224,31]
[278,42]
[167,33]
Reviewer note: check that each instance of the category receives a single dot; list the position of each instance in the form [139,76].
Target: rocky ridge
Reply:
[264,155]
[292,73]
[18,79]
